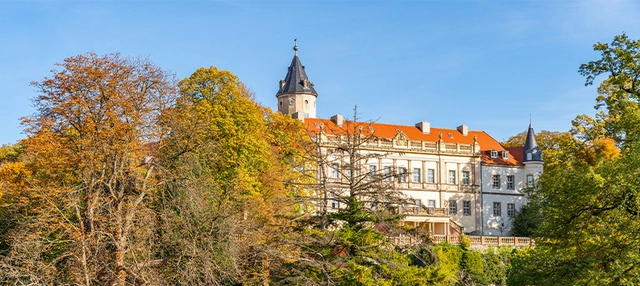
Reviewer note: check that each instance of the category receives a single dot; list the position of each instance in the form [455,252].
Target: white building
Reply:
[461,180]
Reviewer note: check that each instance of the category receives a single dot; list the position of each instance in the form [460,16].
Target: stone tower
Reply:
[296,95]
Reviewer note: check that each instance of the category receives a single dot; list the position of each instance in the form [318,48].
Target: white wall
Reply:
[501,225]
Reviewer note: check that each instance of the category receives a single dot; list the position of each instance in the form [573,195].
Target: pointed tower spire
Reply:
[296,80]
[297,93]
[531,150]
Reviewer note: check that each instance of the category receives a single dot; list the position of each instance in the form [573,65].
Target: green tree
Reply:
[526,221]
[589,204]
[618,93]
[343,241]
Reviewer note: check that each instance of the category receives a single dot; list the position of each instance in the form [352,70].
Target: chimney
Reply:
[337,119]
[424,126]
[464,129]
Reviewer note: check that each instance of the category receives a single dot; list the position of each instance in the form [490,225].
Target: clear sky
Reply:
[487,64]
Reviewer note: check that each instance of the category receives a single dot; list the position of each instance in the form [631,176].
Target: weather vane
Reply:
[295,45]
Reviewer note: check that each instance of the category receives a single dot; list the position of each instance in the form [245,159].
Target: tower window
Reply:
[280,102]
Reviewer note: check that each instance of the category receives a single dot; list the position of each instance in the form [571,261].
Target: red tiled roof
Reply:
[389,131]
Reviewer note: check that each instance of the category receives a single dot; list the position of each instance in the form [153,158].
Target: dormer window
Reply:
[450,135]
[505,155]
[529,157]
[494,154]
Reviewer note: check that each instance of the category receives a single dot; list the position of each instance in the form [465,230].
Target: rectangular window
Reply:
[431,176]
[529,181]
[494,154]
[495,181]
[452,177]
[402,174]
[510,182]
[387,173]
[466,207]
[416,175]
[453,207]
[497,209]
[465,178]
[511,210]
[334,171]
[349,175]
[335,204]
[372,172]
[431,203]
[416,206]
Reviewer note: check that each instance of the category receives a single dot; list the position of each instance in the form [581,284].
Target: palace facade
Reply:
[459,180]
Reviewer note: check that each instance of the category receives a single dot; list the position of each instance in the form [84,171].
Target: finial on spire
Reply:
[295,45]
[529,119]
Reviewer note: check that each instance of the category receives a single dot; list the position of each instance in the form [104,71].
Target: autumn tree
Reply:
[589,203]
[231,166]
[81,210]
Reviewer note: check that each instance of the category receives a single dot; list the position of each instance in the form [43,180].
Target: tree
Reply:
[231,170]
[589,204]
[526,221]
[589,229]
[619,92]
[344,240]
[80,213]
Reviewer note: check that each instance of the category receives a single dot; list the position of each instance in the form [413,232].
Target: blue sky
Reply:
[487,64]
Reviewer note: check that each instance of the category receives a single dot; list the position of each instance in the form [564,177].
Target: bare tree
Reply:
[356,206]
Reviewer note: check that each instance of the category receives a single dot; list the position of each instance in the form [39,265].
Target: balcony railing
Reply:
[475,240]
[424,211]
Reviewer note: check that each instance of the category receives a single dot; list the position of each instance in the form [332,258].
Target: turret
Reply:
[531,150]
[296,94]
[533,164]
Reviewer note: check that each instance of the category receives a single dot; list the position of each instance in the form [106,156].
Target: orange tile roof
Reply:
[389,131]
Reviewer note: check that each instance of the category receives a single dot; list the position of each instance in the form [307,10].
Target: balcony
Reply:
[424,211]
[475,240]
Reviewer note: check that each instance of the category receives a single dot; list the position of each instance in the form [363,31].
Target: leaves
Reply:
[86,183]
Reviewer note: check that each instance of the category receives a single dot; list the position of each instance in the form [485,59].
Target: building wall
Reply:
[440,191]
[502,224]
[479,192]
